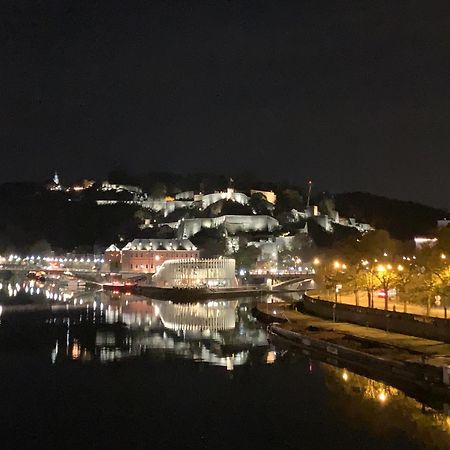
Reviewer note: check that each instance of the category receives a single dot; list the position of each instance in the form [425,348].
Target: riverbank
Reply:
[189,294]
[421,364]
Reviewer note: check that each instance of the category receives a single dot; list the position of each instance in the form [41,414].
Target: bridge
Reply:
[292,281]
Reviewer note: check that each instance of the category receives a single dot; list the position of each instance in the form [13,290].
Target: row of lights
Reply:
[51,259]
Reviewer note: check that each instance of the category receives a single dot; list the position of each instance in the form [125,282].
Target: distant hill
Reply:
[404,220]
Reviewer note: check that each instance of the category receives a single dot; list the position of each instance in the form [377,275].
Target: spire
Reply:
[309,193]
[56,178]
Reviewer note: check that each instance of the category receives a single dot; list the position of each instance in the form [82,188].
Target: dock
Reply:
[419,363]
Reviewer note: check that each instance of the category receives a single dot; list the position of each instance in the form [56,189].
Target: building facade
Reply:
[218,272]
[147,255]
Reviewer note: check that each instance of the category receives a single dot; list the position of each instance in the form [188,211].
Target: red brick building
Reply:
[146,255]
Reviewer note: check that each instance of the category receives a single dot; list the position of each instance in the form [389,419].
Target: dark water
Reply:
[133,374]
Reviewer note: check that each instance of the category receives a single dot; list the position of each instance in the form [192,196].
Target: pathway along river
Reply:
[128,373]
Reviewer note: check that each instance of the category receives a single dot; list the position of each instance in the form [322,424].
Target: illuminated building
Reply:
[423,242]
[232,223]
[146,255]
[113,256]
[54,184]
[218,272]
[270,195]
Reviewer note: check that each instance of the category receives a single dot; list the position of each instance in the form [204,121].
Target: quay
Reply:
[420,366]
[292,285]
[188,294]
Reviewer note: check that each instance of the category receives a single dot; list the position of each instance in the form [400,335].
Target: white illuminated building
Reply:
[219,272]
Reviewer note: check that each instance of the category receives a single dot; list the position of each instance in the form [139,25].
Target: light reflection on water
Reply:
[385,408]
[221,333]
[105,328]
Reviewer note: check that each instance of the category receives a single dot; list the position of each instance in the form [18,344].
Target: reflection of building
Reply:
[197,272]
[212,316]
[216,332]
[146,255]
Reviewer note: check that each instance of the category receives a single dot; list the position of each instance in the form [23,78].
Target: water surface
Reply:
[125,372]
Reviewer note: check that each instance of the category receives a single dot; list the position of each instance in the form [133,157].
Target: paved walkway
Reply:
[299,320]
[411,308]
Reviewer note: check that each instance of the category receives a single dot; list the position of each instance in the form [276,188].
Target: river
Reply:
[118,371]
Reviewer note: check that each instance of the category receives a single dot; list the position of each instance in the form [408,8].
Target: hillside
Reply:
[403,219]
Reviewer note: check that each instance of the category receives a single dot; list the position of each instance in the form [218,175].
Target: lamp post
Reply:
[339,269]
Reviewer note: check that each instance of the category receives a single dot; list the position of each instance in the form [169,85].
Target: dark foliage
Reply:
[322,238]
[403,220]
[31,214]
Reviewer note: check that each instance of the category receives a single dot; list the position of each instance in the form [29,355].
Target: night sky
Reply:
[352,94]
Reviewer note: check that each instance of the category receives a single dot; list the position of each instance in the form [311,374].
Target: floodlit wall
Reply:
[233,224]
[230,194]
[165,205]
[410,324]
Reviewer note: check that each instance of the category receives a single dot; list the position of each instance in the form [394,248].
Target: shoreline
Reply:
[405,361]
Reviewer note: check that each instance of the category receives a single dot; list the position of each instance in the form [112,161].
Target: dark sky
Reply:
[352,94]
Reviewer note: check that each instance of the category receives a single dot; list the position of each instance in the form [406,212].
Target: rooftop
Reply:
[160,244]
